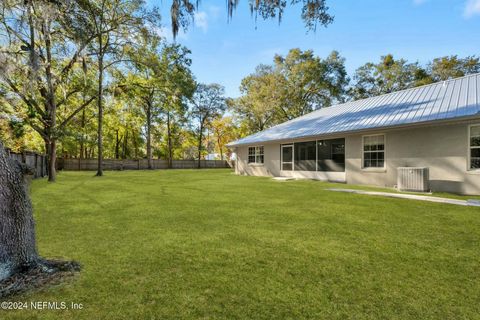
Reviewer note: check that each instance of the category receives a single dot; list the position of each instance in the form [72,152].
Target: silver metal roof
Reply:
[456,98]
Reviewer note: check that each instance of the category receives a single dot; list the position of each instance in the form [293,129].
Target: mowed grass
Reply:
[206,244]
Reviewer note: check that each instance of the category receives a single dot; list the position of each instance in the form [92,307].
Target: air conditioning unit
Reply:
[413,179]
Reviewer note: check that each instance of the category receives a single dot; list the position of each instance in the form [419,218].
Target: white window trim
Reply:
[469,151]
[375,169]
[256,164]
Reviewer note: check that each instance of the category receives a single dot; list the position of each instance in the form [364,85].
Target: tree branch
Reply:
[27,101]
[74,113]
[77,53]
[68,95]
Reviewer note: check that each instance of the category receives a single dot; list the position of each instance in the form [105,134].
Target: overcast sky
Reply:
[418,30]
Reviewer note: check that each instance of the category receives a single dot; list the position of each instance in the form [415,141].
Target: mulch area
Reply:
[46,273]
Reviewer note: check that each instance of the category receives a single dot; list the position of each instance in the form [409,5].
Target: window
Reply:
[305,156]
[331,155]
[255,154]
[374,151]
[251,154]
[475,147]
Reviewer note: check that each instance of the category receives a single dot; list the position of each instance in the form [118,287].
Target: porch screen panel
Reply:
[305,156]
[331,155]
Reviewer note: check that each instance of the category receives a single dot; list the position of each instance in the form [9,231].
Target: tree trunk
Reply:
[47,154]
[220,147]
[51,152]
[100,108]
[200,138]
[17,228]
[51,106]
[125,145]
[117,146]
[149,137]
[169,142]
[82,139]
[135,143]
[52,155]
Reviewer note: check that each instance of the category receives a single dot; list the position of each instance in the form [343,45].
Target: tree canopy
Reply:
[390,74]
[313,14]
[293,85]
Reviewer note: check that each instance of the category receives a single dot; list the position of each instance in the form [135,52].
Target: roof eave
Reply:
[401,126]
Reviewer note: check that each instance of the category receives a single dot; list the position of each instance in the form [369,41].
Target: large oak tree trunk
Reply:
[20,266]
[17,228]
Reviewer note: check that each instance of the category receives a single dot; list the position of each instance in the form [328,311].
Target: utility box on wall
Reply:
[413,179]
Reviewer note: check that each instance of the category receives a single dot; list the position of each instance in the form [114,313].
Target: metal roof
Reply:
[456,98]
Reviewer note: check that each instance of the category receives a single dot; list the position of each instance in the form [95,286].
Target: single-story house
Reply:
[435,126]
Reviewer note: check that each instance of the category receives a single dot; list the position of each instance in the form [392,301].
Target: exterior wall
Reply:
[441,148]
[317,175]
[271,167]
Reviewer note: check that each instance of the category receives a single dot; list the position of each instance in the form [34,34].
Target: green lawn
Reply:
[188,244]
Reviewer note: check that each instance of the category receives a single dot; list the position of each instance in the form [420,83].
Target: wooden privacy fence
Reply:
[141,164]
[32,159]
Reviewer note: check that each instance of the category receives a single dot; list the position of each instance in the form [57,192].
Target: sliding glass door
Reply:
[287,157]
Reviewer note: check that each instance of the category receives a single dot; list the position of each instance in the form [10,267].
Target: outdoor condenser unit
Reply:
[412,179]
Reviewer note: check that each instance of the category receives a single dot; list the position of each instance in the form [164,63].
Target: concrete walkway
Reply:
[473,203]
[283,178]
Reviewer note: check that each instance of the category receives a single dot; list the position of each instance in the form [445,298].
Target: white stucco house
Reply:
[435,126]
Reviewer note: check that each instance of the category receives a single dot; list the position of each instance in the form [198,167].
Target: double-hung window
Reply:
[255,155]
[475,147]
[374,151]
